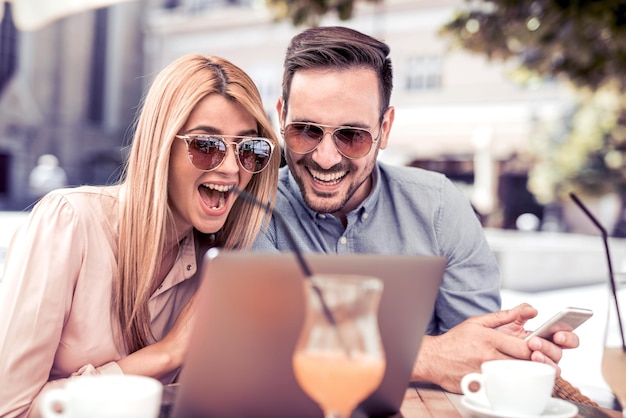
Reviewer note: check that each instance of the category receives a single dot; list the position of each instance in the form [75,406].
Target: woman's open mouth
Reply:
[214,196]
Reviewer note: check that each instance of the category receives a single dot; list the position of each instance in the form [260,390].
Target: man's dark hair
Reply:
[339,48]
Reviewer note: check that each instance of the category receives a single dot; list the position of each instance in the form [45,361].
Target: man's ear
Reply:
[386,126]
[279,109]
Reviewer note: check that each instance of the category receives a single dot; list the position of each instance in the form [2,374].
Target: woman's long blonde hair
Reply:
[145,212]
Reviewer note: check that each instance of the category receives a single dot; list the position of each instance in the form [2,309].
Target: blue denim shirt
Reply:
[410,211]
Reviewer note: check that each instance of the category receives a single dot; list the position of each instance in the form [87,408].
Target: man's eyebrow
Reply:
[353,125]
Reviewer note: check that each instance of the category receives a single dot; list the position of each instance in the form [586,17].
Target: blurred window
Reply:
[5,162]
[424,72]
[95,110]
[8,46]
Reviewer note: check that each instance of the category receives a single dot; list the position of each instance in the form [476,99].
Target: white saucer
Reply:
[557,408]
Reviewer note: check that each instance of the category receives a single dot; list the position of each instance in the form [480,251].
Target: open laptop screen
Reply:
[250,310]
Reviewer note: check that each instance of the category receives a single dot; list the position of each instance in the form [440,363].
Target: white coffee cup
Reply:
[105,396]
[514,387]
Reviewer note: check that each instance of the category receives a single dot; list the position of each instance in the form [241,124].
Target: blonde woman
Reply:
[101,279]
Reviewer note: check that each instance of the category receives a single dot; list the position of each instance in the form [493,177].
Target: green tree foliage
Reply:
[582,40]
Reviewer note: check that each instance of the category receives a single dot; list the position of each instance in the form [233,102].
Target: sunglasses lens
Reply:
[303,137]
[207,153]
[254,154]
[353,142]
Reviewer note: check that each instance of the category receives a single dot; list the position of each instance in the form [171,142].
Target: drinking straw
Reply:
[304,266]
[605,238]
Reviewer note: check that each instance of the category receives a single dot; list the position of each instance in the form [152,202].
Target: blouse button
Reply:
[343,240]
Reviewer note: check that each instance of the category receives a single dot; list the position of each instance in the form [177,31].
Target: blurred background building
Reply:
[72,89]
[69,89]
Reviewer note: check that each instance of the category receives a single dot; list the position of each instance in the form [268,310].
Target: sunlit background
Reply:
[71,79]
[517,102]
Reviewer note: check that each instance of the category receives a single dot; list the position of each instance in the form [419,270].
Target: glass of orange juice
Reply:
[339,358]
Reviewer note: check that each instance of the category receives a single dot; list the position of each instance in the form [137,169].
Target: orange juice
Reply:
[334,380]
[614,372]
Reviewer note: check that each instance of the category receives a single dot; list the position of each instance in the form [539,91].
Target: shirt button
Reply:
[343,240]
[365,216]
[321,216]
[188,267]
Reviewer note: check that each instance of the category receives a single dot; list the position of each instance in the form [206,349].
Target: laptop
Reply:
[250,308]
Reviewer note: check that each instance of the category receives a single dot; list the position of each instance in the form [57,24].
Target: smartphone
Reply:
[567,320]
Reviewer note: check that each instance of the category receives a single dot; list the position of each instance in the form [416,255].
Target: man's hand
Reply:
[446,358]
[551,352]
[543,351]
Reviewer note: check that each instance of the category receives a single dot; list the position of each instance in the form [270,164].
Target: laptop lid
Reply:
[250,308]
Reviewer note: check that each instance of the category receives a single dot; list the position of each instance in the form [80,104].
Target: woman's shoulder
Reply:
[87,194]
[91,202]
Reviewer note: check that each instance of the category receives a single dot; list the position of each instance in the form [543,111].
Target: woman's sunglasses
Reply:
[207,152]
[351,142]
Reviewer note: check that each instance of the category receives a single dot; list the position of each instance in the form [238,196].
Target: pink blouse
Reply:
[55,296]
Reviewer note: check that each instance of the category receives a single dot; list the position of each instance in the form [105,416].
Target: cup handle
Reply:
[52,401]
[477,395]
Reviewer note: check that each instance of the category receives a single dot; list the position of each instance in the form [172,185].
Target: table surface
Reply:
[424,400]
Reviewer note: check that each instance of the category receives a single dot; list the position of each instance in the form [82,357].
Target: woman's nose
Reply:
[230,163]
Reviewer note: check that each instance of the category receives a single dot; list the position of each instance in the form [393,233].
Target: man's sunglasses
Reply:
[351,142]
[207,152]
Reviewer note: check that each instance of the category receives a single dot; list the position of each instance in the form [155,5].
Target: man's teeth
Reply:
[333,177]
